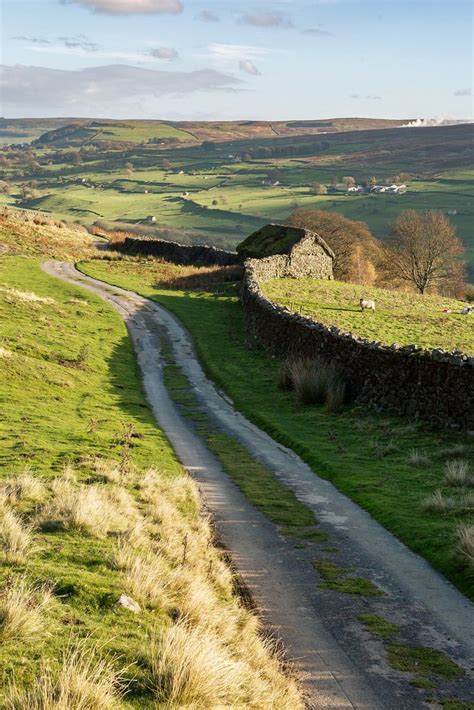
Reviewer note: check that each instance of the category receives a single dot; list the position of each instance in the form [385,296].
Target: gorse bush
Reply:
[314,381]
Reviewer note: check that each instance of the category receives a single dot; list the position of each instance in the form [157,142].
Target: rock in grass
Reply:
[129,603]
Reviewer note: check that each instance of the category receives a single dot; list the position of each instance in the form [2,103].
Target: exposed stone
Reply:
[184,254]
[435,385]
[129,603]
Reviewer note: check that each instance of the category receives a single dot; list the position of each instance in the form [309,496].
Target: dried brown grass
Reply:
[464,547]
[457,473]
[23,487]
[16,537]
[83,682]
[94,509]
[22,607]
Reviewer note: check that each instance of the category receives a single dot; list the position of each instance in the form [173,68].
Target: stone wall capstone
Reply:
[183,254]
[435,385]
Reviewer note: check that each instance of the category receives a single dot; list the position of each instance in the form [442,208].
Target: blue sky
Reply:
[221,59]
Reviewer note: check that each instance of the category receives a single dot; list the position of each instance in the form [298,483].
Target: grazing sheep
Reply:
[370,305]
[467,310]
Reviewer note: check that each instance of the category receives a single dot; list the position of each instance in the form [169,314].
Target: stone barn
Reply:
[302,254]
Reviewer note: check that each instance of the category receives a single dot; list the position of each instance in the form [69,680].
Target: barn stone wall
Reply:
[309,259]
[434,385]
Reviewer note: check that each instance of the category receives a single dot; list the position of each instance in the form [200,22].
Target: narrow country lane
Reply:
[341,666]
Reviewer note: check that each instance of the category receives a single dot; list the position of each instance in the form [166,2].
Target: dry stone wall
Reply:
[184,254]
[435,385]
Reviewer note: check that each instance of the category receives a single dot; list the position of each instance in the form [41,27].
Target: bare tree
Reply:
[319,189]
[424,250]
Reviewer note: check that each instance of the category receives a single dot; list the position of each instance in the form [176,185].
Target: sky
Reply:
[244,59]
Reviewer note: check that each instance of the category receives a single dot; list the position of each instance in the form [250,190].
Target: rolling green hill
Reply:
[224,180]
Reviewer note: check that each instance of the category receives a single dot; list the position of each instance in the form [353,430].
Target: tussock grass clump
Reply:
[440,503]
[192,667]
[16,537]
[437,502]
[15,294]
[314,381]
[83,682]
[466,502]
[22,608]
[24,486]
[464,547]
[181,491]
[92,509]
[107,471]
[419,459]
[146,578]
[457,474]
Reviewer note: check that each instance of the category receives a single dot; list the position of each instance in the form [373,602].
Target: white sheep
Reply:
[467,310]
[366,304]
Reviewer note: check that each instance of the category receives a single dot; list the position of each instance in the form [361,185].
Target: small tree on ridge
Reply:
[424,250]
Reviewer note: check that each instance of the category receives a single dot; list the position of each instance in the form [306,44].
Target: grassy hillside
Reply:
[28,234]
[370,457]
[94,506]
[225,190]
[403,318]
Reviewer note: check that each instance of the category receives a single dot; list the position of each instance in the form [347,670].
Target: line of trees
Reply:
[422,252]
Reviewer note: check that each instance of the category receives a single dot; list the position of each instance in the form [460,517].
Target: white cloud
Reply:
[316,32]
[80,40]
[131,7]
[98,91]
[266,20]
[116,55]
[368,97]
[463,92]
[236,51]
[33,40]
[248,67]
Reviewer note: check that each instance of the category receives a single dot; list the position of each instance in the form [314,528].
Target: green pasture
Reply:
[435,160]
[403,318]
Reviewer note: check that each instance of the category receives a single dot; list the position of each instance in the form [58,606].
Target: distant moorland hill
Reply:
[217,182]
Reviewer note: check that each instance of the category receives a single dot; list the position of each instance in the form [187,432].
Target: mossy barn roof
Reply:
[276,239]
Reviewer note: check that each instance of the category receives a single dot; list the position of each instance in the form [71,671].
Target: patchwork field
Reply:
[222,181]
[403,318]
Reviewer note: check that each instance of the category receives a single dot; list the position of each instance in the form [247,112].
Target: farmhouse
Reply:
[300,253]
